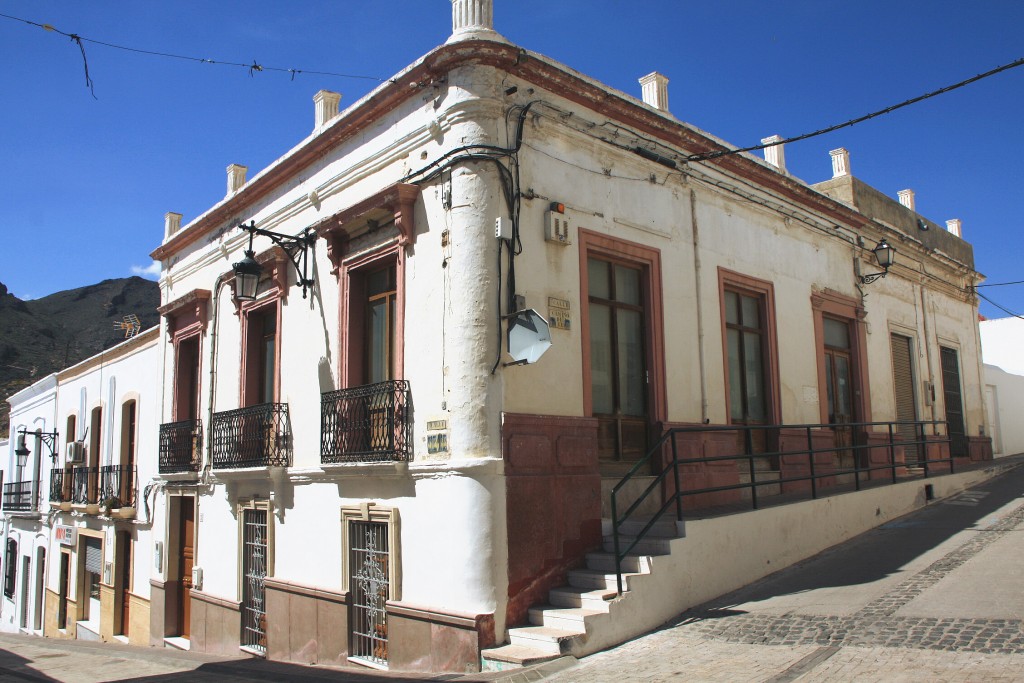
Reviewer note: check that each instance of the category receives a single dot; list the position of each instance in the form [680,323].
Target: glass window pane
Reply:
[754,369]
[380,281]
[631,362]
[598,279]
[837,334]
[830,389]
[751,312]
[376,346]
[732,308]
[627,285]
[601,383]
[735,375]
[844,403]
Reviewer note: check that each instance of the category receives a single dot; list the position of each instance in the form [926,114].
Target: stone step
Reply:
[590,578]
[593,599]
[543,639]
[513,656]
[564,618]
[636,564]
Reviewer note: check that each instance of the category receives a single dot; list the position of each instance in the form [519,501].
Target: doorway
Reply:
[183,511]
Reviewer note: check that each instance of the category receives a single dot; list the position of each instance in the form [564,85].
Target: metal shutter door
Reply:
[93,556]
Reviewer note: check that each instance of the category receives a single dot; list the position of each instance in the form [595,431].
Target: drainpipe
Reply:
[213,374]
[700,315]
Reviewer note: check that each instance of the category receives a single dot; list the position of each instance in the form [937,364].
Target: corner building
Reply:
[351,469]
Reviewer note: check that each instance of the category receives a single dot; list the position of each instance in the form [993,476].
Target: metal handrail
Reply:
[672,467]
[18,496]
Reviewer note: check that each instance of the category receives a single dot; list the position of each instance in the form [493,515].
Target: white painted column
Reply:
[654,87]
[840,162]
[472,19]
[776,154]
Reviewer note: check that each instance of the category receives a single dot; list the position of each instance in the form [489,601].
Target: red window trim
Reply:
[832,304]
[744,284]
[248,361]
[649,260]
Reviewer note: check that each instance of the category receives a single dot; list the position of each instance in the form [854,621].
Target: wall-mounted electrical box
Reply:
[556,225]
[503,228]
[197,578]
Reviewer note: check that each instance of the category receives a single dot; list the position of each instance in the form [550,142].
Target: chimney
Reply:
[236,177]
[955,226]
[326,103]
[172,223]
[776,154]
[906,198]
[472,19]
[655,90]
[840,162]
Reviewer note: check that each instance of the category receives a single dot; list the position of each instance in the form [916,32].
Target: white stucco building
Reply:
[1001,342]
[26,469]
[100,527]
[351,468]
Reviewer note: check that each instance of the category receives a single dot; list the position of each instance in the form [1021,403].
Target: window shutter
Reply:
[93,556]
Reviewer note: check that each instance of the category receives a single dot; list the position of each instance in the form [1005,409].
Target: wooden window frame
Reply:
[648,259]
[831,304]
[764,291]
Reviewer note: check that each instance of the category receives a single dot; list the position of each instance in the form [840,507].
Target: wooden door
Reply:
[954,402]
[903,388]
[125,580]
[186,540]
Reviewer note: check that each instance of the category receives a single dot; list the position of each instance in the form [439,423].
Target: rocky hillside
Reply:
[45,335]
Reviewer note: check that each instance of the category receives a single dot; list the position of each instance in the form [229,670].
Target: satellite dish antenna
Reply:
[528,337]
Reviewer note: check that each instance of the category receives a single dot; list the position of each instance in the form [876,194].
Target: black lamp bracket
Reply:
[48,438]
[871,277]
[297,248]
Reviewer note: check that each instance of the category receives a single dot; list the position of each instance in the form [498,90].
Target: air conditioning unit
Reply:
[197,578]
[76,452]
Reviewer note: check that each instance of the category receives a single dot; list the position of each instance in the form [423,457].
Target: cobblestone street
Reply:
[936,596]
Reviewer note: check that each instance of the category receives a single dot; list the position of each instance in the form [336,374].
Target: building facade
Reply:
[100,525]
[27,463]
[352,467]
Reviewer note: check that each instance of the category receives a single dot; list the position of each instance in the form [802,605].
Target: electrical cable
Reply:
[1001,284]
[252,68]
[1001,308]
[715,155]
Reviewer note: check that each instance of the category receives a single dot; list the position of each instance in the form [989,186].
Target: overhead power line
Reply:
[715,155]
[252,67]
[1001,308]
[1000,284]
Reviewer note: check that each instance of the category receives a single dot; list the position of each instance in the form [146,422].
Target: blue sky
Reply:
[85,182]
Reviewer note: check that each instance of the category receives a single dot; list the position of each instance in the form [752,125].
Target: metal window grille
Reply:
[369,558]
[254,574]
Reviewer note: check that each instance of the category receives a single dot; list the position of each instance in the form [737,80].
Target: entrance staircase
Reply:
[587,615]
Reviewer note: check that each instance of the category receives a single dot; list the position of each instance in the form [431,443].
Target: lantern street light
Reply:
[886,256]
[247,271]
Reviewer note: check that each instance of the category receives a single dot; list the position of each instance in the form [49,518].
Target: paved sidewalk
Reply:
[934,596]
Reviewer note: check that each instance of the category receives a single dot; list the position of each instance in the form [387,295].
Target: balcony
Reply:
[57,494]
[181,446]
[257,436]
[117,486]
[371,423]
[85,485]
[18,497]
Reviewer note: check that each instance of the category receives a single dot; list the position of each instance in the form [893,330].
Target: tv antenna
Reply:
[131,325]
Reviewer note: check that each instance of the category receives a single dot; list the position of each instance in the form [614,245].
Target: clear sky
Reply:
[85,183]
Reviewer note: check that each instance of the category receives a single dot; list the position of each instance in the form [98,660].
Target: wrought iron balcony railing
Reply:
[181,446]
[57,486]
[257,436]
[85,485]
[18,497]
[117,486]
[371,423]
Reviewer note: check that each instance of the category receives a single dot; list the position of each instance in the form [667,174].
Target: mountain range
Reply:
[42,336]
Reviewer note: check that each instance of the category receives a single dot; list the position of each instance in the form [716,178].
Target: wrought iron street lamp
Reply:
[247,271]
[885,255]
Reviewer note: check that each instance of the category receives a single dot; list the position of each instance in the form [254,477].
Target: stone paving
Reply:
[775,636]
